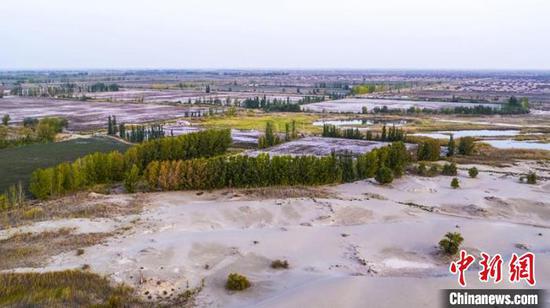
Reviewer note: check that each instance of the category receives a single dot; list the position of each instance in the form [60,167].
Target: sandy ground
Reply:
[321,146]
[90,115]
[362,245]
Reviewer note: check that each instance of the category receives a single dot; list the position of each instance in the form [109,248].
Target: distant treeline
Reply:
[279,105]
[64,90]
[101,168]
[243,171]
[512,106]
[392,134]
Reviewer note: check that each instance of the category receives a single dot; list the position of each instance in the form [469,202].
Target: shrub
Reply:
[434,170]
[236,282]
[454,183]
[422,169]
[466,146]
[384,175]
[428,150]
[451,243]
[449,169]
[279,264]
[532,178]
[472,172]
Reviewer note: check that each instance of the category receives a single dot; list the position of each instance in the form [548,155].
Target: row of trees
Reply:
[387,134]
[101,168]
[430,149]
[512,106]
[136,133]
[243,171]
[271,138]
[271,105]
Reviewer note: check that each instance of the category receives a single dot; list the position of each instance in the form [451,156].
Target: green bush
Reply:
[449,169]
[454,183]
[384,175]
[466,146]
[472,172]
[428,150]
[279,264]
[236,282]
[450,244]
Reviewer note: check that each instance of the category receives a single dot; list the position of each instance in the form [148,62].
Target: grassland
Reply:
[257,121]
[17,164]
[71,288]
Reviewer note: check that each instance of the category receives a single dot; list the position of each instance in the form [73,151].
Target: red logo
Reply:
[521,268]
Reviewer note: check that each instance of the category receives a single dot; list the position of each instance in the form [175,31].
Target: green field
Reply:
[17,164]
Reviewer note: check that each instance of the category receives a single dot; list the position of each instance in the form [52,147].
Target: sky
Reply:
[267,34]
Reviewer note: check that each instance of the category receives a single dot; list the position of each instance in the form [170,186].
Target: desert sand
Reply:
[359,244]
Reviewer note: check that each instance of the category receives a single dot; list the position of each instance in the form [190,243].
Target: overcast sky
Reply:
[357,34]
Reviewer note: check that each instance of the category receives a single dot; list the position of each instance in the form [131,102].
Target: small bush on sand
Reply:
[236,282]
[455,184]
[384,175]
[449,169]
[532,178]
[451,243]
[422,169]
[472,172]
[279,264]
[433,170]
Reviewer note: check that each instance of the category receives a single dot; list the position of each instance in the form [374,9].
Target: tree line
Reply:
[243,171]
[271,138]
[387,134]
[134,133]
[511,106]
[102,168]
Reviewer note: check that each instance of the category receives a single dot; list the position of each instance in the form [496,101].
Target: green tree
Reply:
[451,146]
[473,172]
[131,179]
[6,119]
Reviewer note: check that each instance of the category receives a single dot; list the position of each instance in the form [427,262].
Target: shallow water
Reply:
[515,144]
[468,133]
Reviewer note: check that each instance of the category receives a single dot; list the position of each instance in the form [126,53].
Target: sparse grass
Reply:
[488,155]
[71,288]
[277,192]
[33,249]
[80,205]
